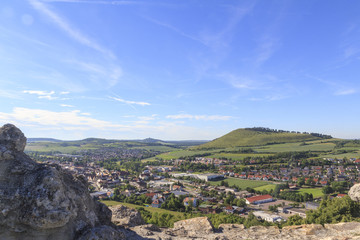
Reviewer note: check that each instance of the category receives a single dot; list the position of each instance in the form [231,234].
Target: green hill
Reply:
[246,137]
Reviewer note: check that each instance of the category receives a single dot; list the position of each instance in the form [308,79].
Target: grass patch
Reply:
[242,183]
[297,147]
[316,192]
[238,156]
[110,203]
[265,187]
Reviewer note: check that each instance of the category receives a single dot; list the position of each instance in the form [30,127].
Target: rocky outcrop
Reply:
[354,192]
[192,227]
[124,216]
[39,201]
[338,231]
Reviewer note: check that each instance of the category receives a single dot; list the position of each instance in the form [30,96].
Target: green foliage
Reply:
[294,220]
[333,211]
[294,196]
[174,203]
[327,190]
[339,186]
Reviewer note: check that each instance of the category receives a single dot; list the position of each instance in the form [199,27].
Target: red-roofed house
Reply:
[340,195]
[259,199]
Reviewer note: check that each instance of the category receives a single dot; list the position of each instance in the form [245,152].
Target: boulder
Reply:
[354,192]
[12,138]
[125,216]
[193,227]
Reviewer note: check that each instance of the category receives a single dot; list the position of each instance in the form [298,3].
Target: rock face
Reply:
[38,201]
[127,217]
[354,192]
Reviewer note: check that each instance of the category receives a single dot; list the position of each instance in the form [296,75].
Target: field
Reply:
[238,156]
[265,187]
[316,192]
[150,209]
[297,147]
[51,147]
[242,183]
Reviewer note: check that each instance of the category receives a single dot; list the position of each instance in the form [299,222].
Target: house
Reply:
[191,202]
[176,187]
[206,209]
[259,199]
[267,217]
[312,205]
[298,211]
[229,209]
[284,209]
[341,195]
[157,203]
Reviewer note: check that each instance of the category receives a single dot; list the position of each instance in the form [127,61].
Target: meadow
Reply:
[297,147]
[110,203]
[242,183]
[316,192]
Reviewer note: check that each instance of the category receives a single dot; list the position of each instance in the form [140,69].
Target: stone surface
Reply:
[354,192]
[12,138]
[102,233]
[125,216]
[39,201]
[340,231]
[193,227]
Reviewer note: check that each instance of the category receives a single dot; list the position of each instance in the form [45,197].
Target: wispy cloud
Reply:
[67,105]
[275,97]
[200,117]
[69,29]
[70,124]
[51,118]
[174,29]
[42,94]
[351,51]
[265,50]
[96,2]
[346,92]
[130,102]
[97,73]
[241,82]
[340,88]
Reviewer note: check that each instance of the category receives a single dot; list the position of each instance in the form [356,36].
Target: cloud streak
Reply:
[131,102]
[95,2]
[199,117]
[342,90]
[70,30]
[42,94]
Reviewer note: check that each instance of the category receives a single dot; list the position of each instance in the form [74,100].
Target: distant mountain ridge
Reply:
[258,136]
[43,140]
[150,141]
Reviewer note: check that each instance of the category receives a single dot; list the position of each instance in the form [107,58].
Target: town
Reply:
[209,191]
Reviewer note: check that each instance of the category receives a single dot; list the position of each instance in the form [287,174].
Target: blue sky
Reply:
[193,69]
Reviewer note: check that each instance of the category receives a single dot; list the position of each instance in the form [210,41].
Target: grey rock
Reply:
[125,216]
[103,233]
[354,192]
[39,201]
[12,138]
